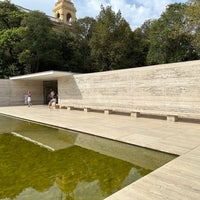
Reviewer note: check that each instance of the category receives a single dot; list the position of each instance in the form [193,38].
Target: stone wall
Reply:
[169,87]
[161,88]
[12,92]
[5,92]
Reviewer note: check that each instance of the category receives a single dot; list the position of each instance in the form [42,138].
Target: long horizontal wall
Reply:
[12,92]
[168,87]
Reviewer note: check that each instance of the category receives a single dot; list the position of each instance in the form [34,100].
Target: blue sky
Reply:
[135,12]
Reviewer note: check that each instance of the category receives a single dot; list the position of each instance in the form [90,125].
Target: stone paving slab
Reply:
[178,179]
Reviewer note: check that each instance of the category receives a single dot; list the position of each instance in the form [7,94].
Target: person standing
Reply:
[52,98]
[29,98]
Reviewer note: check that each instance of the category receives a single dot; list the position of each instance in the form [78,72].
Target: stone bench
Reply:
[85,108]
[54,106]
[170,116]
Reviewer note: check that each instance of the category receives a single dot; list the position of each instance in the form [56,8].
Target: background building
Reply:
[65,11]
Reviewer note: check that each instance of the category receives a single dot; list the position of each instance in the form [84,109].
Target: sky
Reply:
[135,12]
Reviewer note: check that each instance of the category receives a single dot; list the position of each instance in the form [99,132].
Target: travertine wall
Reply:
[5,92]
[168,87]
[12,92]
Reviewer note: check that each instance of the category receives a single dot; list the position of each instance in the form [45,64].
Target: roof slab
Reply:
[42,76]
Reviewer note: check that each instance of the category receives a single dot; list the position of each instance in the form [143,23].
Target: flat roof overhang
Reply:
[42,76]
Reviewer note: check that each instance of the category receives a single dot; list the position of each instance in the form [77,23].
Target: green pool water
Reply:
[64,165]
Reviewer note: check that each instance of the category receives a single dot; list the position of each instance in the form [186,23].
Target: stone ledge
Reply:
[170,116]
[107,111]
[135,114]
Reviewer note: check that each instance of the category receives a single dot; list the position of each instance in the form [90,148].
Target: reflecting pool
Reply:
[41,162]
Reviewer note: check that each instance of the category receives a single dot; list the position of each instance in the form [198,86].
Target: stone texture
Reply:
[12,92]
[168,89]
[173,88]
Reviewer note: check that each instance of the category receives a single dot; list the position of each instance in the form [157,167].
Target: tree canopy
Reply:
[109,40]
[169,40]
[30,42]
[193,25]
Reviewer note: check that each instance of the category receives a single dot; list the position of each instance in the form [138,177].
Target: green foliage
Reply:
[169,41]
[35,41]
[9,38]
[29,42]
[26,57]
[67,48]
[10,18]
[83,28]
[138,46]
[193,16]
[109,40]
[10,15]
[82,31]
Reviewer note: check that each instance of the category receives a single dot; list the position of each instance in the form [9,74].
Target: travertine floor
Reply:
[178,179]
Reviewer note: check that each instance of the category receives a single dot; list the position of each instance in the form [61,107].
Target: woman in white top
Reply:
[29,99]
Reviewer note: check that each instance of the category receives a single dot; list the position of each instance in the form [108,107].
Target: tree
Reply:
[67,47]
[10,37]
[138,46]
[109,40]
[39,44]
[82,30]
[51,58]
[193,25]
[10,15]
[169,40]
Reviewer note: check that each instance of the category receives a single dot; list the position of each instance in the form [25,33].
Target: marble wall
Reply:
[12,92]
[160,88]
[168,87]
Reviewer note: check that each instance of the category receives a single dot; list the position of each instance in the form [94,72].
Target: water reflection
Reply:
[81,167]
[53,137]
[30,172]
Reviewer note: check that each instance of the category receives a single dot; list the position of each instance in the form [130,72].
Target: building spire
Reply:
[65,11]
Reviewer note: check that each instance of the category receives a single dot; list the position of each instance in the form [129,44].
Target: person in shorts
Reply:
[29,100]
[52,99]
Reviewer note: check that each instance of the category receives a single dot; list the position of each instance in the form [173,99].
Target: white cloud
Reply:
[136,12]
[87,8]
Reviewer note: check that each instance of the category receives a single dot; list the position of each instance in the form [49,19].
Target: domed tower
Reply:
[65,11]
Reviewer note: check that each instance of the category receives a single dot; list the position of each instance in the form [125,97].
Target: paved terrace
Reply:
[177,180]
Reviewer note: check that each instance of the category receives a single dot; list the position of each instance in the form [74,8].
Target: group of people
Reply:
[51,98]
